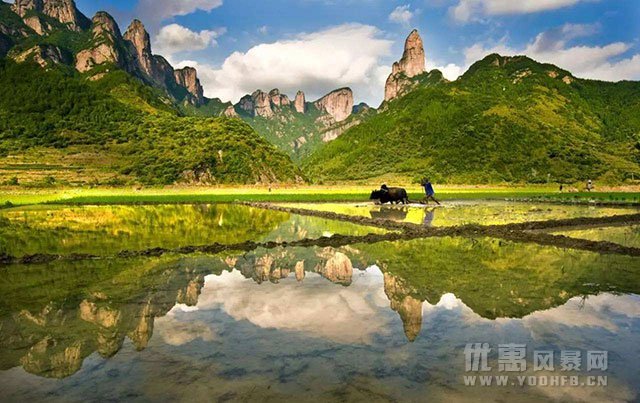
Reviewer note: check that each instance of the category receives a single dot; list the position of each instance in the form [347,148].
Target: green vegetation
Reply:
[505,120]
[25,196]
[288,127]
[131,122]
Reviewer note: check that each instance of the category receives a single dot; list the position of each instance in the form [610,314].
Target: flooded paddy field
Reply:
[358,310]
[485,212]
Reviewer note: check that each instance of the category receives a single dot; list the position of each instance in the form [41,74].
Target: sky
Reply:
[316,46]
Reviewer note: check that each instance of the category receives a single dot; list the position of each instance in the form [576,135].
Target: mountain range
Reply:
[82,102]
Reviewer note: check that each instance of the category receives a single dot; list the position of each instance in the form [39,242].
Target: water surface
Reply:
[384,321]
[484,212]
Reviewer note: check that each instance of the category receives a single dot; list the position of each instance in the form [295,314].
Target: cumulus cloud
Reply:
[469,10]
[156,11]
[175,38]
[401,15]
[353,314]
[605,62]
[318,62]
[450,71]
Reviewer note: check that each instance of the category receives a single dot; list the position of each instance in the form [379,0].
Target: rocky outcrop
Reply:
[22,7]
[360,108]
[335,131]
[107,48]
[278,99]
[67,13]
[38,24]
[188,78]
[412,64]
[44,55]
[338,104]
[230,112]
[300,102]
[139,39]
[246,104]
[262,104]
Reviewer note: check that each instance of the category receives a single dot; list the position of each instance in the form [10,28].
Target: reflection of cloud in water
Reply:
[176,332]
[605,311]
[344,314]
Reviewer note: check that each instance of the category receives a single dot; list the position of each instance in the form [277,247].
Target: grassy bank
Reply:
[17,196]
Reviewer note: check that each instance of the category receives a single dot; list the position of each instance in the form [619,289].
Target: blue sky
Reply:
[319,45]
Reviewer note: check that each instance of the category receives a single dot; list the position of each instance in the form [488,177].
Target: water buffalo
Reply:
[392,195]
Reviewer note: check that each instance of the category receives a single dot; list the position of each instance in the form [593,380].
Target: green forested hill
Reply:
[506,119]
[133,130]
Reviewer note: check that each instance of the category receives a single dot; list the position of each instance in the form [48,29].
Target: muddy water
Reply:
[467,212]
[387,321]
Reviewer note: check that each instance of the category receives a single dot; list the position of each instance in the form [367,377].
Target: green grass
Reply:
[18,196]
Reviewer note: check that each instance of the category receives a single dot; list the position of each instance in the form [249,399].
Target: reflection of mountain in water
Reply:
[408,307]
[53,316]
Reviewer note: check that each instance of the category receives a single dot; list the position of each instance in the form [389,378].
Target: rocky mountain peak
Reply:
[103,23]
[106,38]
[67,13]
[300,102]
[413,58]
[138,36]
[278,99]
[188,78]
[262,104]
[338,104]
[21,7]
[410,65]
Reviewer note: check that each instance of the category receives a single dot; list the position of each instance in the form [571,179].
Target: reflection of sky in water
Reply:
[318,340]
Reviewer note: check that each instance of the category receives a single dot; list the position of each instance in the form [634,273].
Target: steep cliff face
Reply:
[67,13]
[338,104]
[44,55]
[411,65]
[262,104]
[300,102]
[107,48]
[278,99]
[188,78]
[138,37]
[21,7]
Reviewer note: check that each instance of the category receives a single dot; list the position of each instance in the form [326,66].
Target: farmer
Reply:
[429,192]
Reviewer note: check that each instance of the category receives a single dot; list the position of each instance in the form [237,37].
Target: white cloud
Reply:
[318,62]
[450,71]
[155,11]
[353,314]
[469,10]
[596,62]
[175,38]
[401,15]
[263,30]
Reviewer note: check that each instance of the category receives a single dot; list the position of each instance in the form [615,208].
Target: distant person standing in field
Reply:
[429,192]
[589,185]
